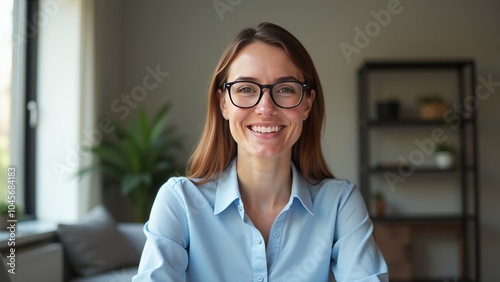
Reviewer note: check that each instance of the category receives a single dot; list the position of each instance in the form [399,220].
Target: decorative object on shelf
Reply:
[380,204]
[445,156]
[431,106]
[388,109]
[138,160]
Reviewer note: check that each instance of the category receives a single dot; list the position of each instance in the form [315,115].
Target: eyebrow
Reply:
[280,79]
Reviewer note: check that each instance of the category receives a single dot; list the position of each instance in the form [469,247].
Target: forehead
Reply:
[263,62]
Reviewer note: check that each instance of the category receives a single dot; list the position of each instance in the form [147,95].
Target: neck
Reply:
[264,184]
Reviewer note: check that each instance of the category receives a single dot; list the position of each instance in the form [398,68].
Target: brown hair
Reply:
[217,148]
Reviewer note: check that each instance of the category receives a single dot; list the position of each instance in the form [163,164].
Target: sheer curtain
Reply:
[90,190]
[67,110]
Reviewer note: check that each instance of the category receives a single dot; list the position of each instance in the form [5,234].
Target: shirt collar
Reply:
[228,190]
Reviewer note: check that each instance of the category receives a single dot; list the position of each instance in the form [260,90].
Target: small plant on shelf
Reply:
[445,155]
[380,204]
[431,106]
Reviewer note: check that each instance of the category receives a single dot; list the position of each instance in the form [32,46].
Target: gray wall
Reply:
[186,38]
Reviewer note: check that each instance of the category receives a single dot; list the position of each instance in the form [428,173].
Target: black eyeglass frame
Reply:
[227,86]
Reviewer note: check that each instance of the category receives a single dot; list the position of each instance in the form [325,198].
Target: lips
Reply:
[266,129]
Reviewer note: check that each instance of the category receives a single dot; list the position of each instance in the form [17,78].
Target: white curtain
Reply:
[90,190]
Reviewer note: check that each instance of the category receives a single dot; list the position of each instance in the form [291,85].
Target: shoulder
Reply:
[186,190]
[182,183]
[334,186]
[334,192]
[175,184]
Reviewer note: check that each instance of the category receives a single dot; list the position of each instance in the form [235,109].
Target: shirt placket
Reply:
[258,249]
[274,241]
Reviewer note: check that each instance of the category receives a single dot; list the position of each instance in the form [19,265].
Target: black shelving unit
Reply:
[466,169]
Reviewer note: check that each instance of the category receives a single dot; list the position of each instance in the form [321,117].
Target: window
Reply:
[18,51]
[6,31]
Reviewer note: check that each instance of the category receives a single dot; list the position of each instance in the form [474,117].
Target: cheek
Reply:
[236,118]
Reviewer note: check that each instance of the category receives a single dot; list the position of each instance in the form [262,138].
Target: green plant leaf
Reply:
[90,169]
[159,124]
[131,182]
[144,126]
[110,154]
[163,145]
[133,154]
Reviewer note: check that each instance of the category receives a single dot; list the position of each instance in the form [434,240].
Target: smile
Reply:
[266,129]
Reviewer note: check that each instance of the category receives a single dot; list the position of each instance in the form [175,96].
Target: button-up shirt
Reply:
[202,233]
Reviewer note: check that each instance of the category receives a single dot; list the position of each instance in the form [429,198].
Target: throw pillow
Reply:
[95,245]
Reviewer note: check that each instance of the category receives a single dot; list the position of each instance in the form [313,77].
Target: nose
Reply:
[266,106]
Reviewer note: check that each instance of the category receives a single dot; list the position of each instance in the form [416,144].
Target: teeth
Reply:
[263,129]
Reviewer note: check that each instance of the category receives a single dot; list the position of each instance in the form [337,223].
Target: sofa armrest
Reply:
[134,233]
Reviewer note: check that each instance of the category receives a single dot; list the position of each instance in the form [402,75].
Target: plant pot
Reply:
[380,207]
[432,111]
[444,160]
[388,110]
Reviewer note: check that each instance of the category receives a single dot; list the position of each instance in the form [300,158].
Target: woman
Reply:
[259,203]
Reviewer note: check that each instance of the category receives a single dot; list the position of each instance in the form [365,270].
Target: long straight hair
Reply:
[217,147]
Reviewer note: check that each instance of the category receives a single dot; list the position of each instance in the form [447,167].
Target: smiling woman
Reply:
[259,202]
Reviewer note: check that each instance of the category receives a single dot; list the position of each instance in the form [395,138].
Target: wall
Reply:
[185,39]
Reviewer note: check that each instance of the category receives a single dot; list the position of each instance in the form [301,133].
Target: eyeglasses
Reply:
[247,94]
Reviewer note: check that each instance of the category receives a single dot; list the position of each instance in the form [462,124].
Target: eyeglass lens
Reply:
[285,94]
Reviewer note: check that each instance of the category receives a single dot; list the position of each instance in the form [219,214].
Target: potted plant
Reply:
[139,159]
[388,109]
[431,106]
[444,155]
[380,204]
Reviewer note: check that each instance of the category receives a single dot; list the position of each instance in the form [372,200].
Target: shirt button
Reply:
[260,278]
[259,241]
[240,208]
[276,234]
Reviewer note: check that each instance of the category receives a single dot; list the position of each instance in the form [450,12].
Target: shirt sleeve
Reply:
[355,255]
[165,256]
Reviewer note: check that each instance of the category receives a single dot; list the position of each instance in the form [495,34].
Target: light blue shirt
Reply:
[201,233]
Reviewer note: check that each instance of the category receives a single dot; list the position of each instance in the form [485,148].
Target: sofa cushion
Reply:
[120,275]
[95,245]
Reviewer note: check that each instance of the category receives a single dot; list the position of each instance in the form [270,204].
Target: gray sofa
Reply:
[135,235]
[99,250]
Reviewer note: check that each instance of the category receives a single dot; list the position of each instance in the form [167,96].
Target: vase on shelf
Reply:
[388,109]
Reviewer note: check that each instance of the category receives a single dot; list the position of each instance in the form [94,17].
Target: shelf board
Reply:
[395,169]
[416,64]
[406,122]
[422,219]
[412,123]
[449,279]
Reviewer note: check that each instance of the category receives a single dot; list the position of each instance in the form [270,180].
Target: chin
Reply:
[268,153]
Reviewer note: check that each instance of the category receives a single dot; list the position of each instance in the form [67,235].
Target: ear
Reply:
[309,99]
[222,103]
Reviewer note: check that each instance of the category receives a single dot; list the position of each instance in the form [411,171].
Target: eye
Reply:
[286,89]
[246,88]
